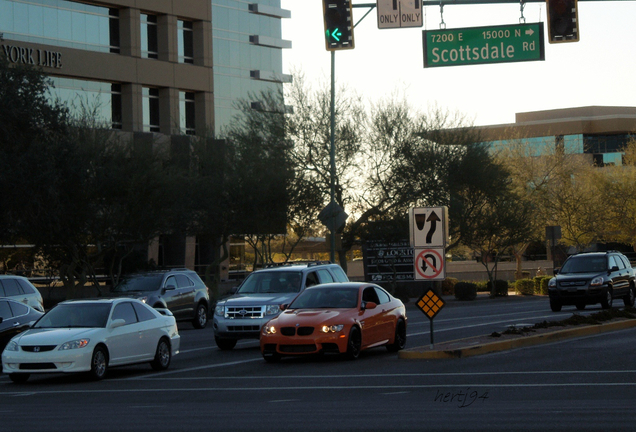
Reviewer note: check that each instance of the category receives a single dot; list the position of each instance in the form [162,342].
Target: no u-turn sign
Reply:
[430,264]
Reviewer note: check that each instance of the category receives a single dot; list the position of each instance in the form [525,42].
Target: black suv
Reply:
[592,277]
[180,290]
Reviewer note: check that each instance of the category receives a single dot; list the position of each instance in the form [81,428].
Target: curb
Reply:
[525,341]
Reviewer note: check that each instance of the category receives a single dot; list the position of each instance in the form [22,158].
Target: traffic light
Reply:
[338,24]
[563,21]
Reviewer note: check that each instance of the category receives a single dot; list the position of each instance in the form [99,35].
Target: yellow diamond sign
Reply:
[430,303]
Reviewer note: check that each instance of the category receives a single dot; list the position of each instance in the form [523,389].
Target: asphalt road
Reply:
[585,384]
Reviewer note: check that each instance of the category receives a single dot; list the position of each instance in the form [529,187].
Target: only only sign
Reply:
[430,264]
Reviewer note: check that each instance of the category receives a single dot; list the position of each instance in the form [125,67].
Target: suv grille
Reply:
[244,312]
[566,284]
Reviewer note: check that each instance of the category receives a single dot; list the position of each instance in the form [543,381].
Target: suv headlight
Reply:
[219,310]
[272,309]
[552,283]
[597,281]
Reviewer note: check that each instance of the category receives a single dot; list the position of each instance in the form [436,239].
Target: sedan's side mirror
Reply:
[117,323]
[369,305]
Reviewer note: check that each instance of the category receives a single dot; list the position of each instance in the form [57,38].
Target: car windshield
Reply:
[139,283]
[326,298]
[272,282]
[585,264]
[75,315]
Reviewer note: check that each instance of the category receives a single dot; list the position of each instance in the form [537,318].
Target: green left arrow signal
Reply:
[335,34]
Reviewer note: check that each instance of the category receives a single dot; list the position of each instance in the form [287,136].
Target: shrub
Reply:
[448,286]
[541,284]
[501,287]
[482,286]
[465,291]
[525,286]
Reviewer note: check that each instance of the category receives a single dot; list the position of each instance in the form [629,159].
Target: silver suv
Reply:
[258,298]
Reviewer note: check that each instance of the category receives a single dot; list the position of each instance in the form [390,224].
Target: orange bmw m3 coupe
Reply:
[339,318]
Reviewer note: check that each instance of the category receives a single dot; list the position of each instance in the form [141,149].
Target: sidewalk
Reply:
[485,344]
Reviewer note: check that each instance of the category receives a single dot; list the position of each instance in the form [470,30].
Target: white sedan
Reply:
[91,336]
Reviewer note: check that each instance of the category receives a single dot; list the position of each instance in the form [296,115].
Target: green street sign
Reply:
[482,45]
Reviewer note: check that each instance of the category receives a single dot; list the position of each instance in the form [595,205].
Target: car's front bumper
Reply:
[76,360]
[578,296]
[335,343]
[248,328]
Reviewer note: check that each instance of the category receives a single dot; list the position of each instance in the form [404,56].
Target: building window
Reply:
[149,47]
[150,109]
[99,100]
[61,23]
[186,113]
[116,119]
[186,42]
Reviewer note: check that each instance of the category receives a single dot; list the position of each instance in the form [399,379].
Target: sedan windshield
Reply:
[139,283]
[272,282]
[585,264]
[326,298]
[76,315]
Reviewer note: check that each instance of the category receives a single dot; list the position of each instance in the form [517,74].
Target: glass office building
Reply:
[154,69]
[597,132]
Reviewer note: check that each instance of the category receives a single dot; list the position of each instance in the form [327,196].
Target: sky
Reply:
[598,70]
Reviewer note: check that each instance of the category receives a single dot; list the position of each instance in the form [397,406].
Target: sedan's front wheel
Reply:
[354,346]
[19,377]
[163,355]
[99,363]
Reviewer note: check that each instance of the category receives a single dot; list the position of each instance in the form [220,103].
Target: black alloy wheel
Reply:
[400,337]
[354,345]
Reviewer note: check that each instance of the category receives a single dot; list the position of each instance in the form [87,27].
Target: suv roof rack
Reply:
[292,263]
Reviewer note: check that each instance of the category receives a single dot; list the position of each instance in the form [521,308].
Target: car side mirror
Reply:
[234,290]
[283,307]
[117,323]
[1,319]
[369,305]
[614,269]
[556,270]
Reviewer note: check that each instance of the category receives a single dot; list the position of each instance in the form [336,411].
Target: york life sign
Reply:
[482,45]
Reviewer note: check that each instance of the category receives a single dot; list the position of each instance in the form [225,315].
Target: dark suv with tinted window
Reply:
[259,297]
[592,277]
[180,290]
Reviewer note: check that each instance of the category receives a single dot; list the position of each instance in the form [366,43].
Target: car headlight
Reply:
[552,283]
[331,328]
[597,281]
[272,309]
[219,310]
[80,343]
[12,346]
[269,330]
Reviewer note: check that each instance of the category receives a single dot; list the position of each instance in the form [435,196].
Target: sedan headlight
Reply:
[331,328]
[597,281]
[80,343]
[219,310]
[12,346]
[272,309]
